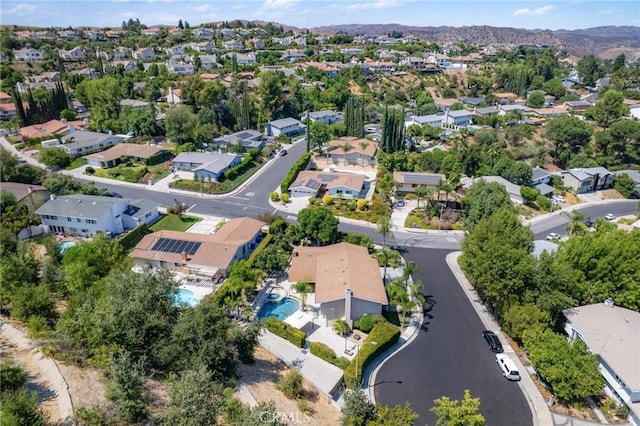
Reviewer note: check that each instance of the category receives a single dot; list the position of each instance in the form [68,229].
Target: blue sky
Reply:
[568,14]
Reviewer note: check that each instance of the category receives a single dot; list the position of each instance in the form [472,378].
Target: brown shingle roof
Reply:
[20,190]
[122,149]
[336,268]
[428,179]
[336,180]
[238,231]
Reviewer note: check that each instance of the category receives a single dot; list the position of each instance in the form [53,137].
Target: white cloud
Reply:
[378,4]
[21,9]
[575,1]
[237,7]
[530,12]
[606,12]
[279,4]
[204,8]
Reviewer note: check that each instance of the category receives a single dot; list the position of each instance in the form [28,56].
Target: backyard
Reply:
[172,222]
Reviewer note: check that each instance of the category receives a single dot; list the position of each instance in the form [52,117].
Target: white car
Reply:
[553,236]
[610,216]
[559,198]
[508,367]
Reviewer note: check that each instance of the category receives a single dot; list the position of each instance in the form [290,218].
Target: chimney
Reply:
[347,306]
[608,302]
[183,258]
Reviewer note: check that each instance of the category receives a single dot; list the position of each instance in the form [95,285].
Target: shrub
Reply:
[19,146]
[37,327]
[366,322]
[285,198]
[133,237]
[12,376]
[327,200]
[260,248]
[275,196]
[89,170]
[544,203]
[361,204]
[297,167]
[281,329]
[291,385]
[32,301]
[357,239]
[324,352]
[385,335]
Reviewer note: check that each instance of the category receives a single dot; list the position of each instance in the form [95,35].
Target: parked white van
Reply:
[508,367]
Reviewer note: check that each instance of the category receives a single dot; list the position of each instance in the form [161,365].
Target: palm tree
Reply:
[363,146]
[421,192]
[346,148]
[409,269]
[303,288]
[384,228]
[385,185]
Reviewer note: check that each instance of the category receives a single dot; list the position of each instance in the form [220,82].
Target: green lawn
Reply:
[78,162]
[131,174]
[223,187]
[172,222]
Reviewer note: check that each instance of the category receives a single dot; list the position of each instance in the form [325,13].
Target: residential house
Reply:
[227,32]
[540,175]
[358,151]
[204,46]
[52,76]
[512,189]
[288,72]
[244,59]
[330,70]
[586,180]
[352,51]
[292,55]
[87,215]
[249,139]
[84,142]
[445,103]
[634,175]
[145,54]
[210,77]
[634,111]
[407,182]
[309,183]
[32,196]
[257,43]
[414,62]
[384,67]
[151,32]
[442,61]
[509,108]
[472,102]
[233,44]
[612,334]
[285,126]
[69,35]
[326,116]
[7,107]
[112,156]
[207,62]
[460,117]
[27,55]
[206,164]
[384,40]
[346,279]
[121,53]
[577,106]
[94,35]
[88,73]
[486,111]
[203,33]
[75,54]
[175,50]
[506,98]
[176,31]
[180,68]
[433,120]
[547,112]
[203,256]
[127,65]
[50,128]
[174,96]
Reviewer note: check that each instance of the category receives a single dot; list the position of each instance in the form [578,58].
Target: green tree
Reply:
[317,135]
[625,186]
[458,413]
[535,100]
[194,399]
[609,108]
[33,301]
[618,62]
[568,134]
[521,318]
[528,195]
[318,224]
[568,366]
[55,157]
[125,386]
[357,411]
[398,415]
[270,93]
[554,87]
[590,70]
[7,199]
[303,288]
[8,165]
[180,124]
[12,376]
[103,95]
[624,140]
[497,260]
[482,200]
[21,407]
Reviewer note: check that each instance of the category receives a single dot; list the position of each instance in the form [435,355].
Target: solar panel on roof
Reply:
[313,184]
[168,245]
[425,179]
[325,177]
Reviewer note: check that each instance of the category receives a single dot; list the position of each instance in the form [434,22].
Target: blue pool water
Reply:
[185,297]
[280,310]
[63,246]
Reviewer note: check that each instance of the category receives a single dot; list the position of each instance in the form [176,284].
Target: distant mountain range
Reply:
[606,42]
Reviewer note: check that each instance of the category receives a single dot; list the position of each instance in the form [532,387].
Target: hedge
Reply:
[297,167]
[284,330]
[324,352]
[260,247]
[133,237]
[385,335]
[366,322]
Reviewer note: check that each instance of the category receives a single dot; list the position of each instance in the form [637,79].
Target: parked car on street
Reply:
[553,236]
[283,153]
[508,367]
[492,341]
[610,216]
[588,223]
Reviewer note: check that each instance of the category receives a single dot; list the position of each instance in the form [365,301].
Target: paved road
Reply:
[449,355]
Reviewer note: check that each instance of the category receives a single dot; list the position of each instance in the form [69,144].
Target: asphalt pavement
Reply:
[449,355]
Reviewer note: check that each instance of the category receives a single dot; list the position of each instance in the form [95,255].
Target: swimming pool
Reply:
[185,297]
[64,245]
[280,310]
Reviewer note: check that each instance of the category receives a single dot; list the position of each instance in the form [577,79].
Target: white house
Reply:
[612,334]
[203,33]
[206,164]
[180,68]
[634,111]
[247,138]
[79,143]
[27,55]
[326,116]
[246,58]
[586,180]
[407,182]
[459,118]
[539,175]
[175,50]
[75,54]
[145,54]
[87,215]
[308,183]
[433,120]
[233,44]
[285,126]
[346,279]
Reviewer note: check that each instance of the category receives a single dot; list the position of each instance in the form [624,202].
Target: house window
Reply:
[78,220]
[68,219]
[176,264]
[53,217]
[85,230]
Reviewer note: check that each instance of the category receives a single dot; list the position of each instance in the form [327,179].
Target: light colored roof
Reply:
[239,136]
[312,179]
[284,122]
[613,333]
[20,190]
[217,250]
[432,118]
[122,149]
[336,268]
[133,103]
[543,245]
[201,157]
[544,189]
[85,139]
[538,173]
[460,113]
[370,150]
[429,179]
[79,205]
[512,189]
[487,110]
[139,208]
[505,95]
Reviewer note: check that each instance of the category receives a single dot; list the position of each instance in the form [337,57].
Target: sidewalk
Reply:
[539,409]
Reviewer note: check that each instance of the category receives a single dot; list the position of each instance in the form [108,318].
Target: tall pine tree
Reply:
[354,117]
[392,139]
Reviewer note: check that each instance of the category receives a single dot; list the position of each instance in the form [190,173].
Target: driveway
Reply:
[449,355]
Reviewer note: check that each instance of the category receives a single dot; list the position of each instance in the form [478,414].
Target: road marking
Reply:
[241,198]
[290,217]
[250,194]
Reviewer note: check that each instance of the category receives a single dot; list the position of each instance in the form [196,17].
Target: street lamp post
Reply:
[358,357]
